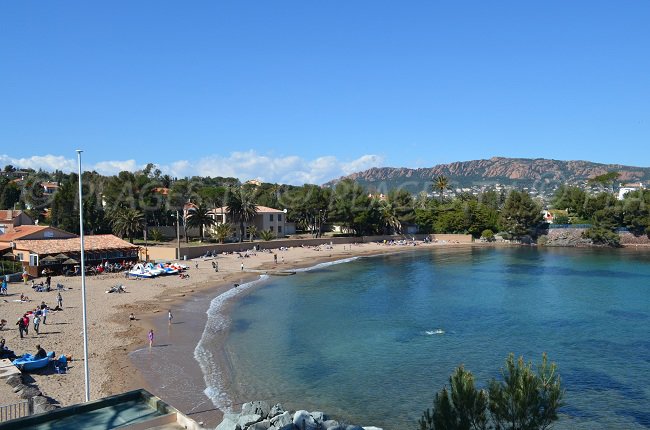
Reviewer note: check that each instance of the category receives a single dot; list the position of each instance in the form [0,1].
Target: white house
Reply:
[626,188]
[273,220]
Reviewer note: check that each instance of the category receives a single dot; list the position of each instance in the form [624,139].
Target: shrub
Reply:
[488,235]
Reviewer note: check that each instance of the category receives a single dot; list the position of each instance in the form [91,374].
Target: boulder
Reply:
[354,428]
[282,421]
[332,425]
[29,392]
[18,387]
[39,400]
[276,410]
[12,381]
[248,420]
[372,428]
[229,422]
[304,421]
[261,425]
[319,417]
[256,408]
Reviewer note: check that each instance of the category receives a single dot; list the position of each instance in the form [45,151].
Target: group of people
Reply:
[39,315]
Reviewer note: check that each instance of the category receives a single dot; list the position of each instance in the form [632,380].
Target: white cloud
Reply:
[244,165]
[114,167]
[48,162]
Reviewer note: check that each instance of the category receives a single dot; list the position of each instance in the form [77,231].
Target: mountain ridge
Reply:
[517,172]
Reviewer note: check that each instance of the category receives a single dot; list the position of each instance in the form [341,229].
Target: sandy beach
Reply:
[112,336]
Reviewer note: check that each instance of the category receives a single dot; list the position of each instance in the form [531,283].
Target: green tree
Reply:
[441,183]
[223,232]
[10,196]
[267,235]
[464,409]
[242,208]
[200,217]
[526,399]
[252,232]
[520,214]
[127,222]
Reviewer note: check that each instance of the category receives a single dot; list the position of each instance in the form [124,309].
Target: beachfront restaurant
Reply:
[58,256]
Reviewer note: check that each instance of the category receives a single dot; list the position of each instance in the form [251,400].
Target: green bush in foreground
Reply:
[525,400]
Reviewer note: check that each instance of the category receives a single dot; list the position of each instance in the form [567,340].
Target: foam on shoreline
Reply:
[218,322]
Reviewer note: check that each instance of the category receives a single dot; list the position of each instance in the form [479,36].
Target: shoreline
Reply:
[113,338]
[212,416]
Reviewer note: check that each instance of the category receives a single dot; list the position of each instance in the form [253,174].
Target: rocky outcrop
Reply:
[31,392]
[259,415]
[508,171]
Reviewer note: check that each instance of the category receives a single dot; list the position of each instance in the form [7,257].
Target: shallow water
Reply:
[372,340]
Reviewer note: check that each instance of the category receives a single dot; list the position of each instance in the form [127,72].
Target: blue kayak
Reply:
[26,362]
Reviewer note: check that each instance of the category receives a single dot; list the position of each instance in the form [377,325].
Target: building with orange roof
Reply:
[270,219]
[12,218]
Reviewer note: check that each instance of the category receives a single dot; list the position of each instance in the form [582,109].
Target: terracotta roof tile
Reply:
[100,242]
[21,231]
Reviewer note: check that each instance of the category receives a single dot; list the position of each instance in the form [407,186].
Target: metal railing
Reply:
[16,410]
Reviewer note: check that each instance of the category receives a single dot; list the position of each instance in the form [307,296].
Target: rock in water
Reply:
[304,421]
[258,407]
[282,421]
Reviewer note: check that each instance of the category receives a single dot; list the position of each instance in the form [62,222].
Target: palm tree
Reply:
[441,183]
[126,222]
[267,235]
[389,219]
[222,232]
[252,232]
[200,217]
[242,208]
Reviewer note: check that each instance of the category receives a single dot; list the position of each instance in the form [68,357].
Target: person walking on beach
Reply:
[150,336]
[21,326]
[275,258]
[170,316]
[3,289]
[59,300]
[242,267]
[26,324]
[44,312]
[25,277]
[37,322]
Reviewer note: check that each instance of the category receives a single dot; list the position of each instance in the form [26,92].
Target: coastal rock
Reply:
[261,408]
[262,425]
[19,387]
[12,381]
[319,417]
[229,422]
[29,392]
[372,428]
[354,428]
[282,421]
[248,420]
[276,410]
[304,421]
[332,425]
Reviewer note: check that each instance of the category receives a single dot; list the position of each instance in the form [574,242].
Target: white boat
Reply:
[156,271]
[139,271]
[168,270]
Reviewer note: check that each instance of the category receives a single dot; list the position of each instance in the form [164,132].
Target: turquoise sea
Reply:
[370,341]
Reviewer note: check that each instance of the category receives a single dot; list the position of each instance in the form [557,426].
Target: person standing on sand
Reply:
[275,258]
[59,300]
[242,267]
[150,336]
[170,317]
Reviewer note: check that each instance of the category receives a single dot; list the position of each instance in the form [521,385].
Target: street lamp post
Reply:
[83,281]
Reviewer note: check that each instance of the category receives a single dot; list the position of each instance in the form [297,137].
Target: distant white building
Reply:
[626,188]
[273,220]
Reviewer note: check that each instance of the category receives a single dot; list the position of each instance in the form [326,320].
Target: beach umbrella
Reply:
[8,254]
[70,261]
[61,257]
[49,259]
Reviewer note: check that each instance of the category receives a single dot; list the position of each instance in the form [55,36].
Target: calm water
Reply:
[358,340]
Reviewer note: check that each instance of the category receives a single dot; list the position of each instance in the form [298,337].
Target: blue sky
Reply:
[305,91]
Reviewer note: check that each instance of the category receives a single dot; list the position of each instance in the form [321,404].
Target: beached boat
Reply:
[168,270]
[139,271]
[156,271]
[27,362]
